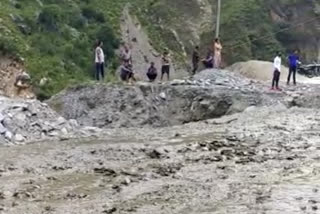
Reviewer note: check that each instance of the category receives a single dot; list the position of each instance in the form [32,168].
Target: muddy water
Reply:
[263,161]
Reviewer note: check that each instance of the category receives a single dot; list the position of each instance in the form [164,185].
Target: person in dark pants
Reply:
[195,60]
[99,60]
[208,61]
[276,72]
[165,69]
[293,64]
[126,73]
[152,72]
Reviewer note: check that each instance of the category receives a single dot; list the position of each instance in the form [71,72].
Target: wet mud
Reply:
[264,160]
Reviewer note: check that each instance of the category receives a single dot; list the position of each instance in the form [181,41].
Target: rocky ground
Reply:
[24,121]
[264,160]
[217,143]
[210,94]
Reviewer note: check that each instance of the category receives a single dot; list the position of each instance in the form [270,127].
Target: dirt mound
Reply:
[9,71]
[261,70]
[143,105]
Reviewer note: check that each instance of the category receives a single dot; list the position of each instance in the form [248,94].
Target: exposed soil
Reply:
[264,160]
[217,143]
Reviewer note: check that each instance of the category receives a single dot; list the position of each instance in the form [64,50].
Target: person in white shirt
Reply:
[99,60]
[276,72]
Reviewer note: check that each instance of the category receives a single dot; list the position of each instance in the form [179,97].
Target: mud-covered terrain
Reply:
[265,160]
[217,143]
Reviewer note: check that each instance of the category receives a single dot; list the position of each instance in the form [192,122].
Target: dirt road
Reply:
[261,161]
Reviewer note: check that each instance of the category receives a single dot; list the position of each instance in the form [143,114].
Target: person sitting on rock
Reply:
[165,69]
[152,72]
[126,73]
[208,61]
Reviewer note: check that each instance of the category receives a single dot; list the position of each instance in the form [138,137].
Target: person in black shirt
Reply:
[152,72]
[165,69]
[208,61]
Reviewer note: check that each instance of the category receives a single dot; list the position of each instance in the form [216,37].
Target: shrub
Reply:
[110,41]
[8,47]
[93,14]
[50,17]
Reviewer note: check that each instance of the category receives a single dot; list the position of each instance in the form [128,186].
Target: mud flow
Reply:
[265,160]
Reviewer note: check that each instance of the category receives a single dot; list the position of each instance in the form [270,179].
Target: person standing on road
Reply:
[217,53]
[99,60]
[195,60]
[276,72]
[165,69]
[293,64]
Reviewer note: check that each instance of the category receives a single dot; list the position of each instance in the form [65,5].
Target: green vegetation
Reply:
[56,37]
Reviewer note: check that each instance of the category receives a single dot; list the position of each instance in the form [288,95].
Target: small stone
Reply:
[110,211]
[178,82]
[19,138]
[73,123]
[61,121]
[1,117]
[127,181]
[162,95]
[2,129]
[64,131]
[177,135]
[8,135]
[303,208]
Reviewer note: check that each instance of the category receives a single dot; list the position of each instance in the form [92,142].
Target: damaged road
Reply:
[264,160]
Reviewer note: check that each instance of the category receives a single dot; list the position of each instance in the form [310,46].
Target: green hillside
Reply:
[56,37]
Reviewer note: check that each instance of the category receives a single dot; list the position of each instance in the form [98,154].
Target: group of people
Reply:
[212,60]
[126,68]
[127,74]
[293,61]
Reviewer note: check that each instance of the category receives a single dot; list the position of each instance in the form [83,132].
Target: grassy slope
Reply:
[61,48]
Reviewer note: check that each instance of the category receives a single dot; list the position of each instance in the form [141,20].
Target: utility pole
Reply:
[218,18]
